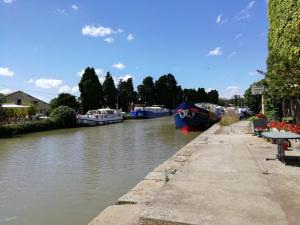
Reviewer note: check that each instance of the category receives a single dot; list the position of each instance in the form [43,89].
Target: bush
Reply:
[27,127]
[229,118]
[63,117]
[32,110]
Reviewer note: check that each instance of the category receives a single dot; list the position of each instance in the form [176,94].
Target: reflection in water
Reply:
[68,176]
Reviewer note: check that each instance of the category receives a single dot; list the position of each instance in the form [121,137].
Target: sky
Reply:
[212,44]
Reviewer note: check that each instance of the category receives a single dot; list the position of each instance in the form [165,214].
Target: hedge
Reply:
[27,127]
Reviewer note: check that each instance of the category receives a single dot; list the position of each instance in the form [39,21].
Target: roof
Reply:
[26,94]
[13,106]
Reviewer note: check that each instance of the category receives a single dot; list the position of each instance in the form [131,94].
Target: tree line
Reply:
[164,91]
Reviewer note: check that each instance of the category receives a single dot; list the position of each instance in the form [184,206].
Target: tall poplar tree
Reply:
[109,91]
[146,91]
[90,88]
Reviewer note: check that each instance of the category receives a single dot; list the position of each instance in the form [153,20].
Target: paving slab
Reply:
[143,192]
[228,181]
[118,215]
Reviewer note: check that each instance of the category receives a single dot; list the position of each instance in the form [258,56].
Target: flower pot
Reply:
[258,123]
[285,146]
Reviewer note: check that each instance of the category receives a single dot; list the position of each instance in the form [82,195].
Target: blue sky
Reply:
[204,43]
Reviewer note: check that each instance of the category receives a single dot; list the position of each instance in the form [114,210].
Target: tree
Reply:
[126,94]
[166,90]
[179,95]
[213,96]
[283,75]
[65,99]
[109,91]
[2,98]
[91,93]
[146,91]
[202,95]
[190,95]
[31,111]
[64,116]
[252,101]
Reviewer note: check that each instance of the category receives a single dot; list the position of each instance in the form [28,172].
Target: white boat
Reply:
[101,117]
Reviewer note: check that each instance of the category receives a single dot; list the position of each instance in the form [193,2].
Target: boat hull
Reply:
[189,117]
[147,114]
[87,121]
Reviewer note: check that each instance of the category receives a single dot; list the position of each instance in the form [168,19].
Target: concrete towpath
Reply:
[220,178]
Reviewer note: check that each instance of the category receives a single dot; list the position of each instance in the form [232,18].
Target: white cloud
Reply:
[232,54]
[48,83]
[230,91]
[109,40]
[252,73]
[245,13]
[238,36]
[30,81]
[130,37]
[120,31]
[118,66]
[100,31]
[68,89]
[125,77]
[75,7]
[6,91]
[60,11]
[8,1]
[4,71]
[215,52]
[98,71]
[208,89]
[221,21]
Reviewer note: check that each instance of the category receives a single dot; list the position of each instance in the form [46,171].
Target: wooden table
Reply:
[280,137]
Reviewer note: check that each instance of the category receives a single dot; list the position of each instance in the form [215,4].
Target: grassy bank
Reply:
[229,118]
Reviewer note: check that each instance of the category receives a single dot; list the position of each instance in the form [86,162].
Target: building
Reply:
[21,98]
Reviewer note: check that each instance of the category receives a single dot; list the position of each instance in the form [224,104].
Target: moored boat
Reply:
[147,112]
[193,117]
[101,117]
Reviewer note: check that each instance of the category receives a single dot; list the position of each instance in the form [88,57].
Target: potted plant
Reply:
[258,121]
[259,130]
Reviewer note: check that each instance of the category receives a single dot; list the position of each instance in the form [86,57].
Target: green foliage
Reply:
[27,127]
[283,76]
[146,91]
[64,117]
[2,98]
[32,110]
[91,93]
[66,100]
[252,101]
[272,108]
[213,96]
[166,89]
[3,115]
[202,95]
[109,91]
[126,94]
[190,95]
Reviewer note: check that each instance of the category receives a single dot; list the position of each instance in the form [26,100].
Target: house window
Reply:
[19,101]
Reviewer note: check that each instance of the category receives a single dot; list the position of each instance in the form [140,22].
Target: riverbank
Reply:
[221,177]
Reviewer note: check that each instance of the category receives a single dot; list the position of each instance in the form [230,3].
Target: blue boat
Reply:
[149,112]
[193,117]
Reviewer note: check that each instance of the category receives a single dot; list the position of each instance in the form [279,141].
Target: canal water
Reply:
[66,177]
